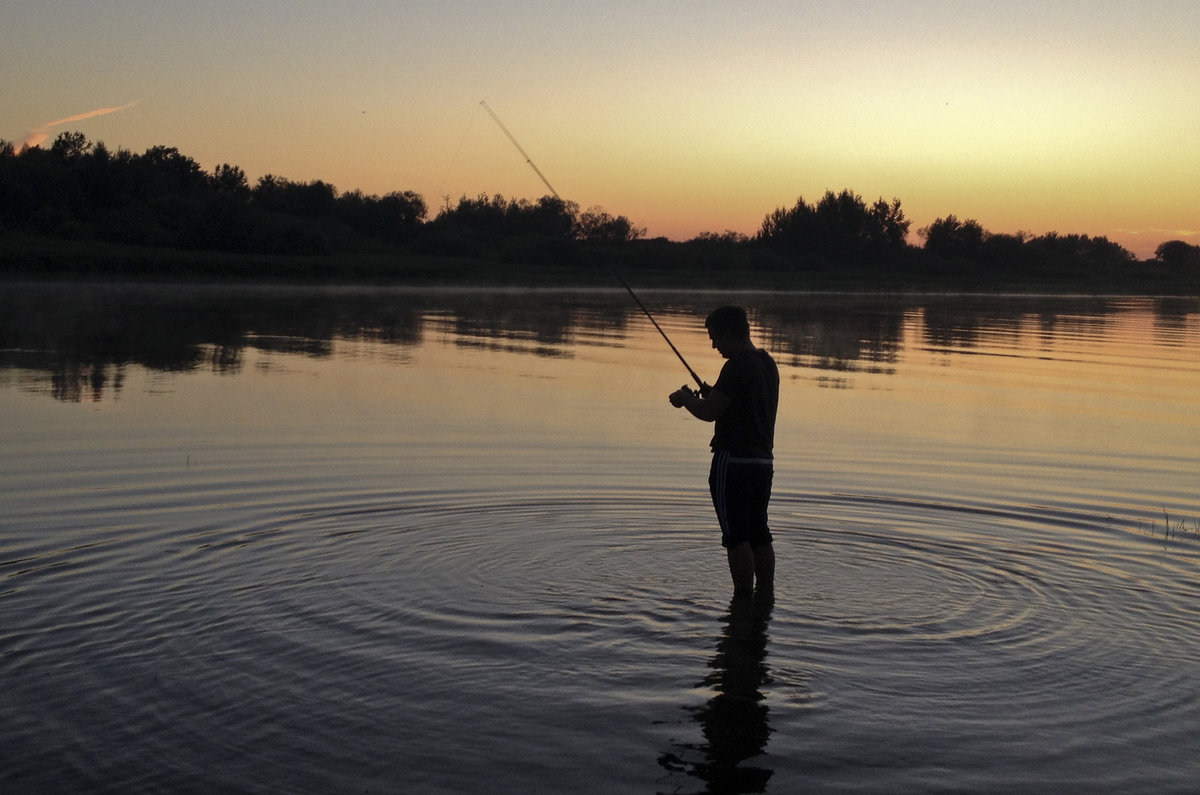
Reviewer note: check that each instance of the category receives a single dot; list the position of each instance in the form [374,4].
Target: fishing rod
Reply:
[699,381]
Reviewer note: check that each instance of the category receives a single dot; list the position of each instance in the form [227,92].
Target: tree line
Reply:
[82,190]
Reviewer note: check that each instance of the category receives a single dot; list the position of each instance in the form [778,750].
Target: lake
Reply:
[273,539]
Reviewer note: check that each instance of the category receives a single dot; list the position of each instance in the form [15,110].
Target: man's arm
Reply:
[706,408]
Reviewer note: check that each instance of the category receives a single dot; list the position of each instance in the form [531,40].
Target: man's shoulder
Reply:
[760,358]
[748,365]
[768,360]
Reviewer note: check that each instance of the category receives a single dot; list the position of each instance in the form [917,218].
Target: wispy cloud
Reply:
[1159,232]
[42,131]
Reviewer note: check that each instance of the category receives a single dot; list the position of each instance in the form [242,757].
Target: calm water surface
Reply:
[314,540]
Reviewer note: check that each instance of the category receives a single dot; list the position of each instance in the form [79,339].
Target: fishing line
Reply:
[449,172]
[699,381]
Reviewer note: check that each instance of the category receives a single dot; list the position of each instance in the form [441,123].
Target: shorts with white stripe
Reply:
[741,489]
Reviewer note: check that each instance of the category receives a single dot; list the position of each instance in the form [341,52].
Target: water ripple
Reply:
[250,635]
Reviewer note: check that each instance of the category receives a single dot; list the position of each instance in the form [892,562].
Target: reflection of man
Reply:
[742,404]
[734,720]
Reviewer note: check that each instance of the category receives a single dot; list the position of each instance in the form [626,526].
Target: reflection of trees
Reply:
[84,336]
[516,326]
[1171,318]
[71,385]
[965,322]
[835,335]
[547,326]
[76,341]
[734,721]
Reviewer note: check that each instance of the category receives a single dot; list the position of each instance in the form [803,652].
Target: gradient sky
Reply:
[1075,117]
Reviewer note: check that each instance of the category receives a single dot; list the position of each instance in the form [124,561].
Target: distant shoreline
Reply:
[26,257]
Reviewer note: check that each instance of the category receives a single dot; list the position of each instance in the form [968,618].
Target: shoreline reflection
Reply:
[74,341]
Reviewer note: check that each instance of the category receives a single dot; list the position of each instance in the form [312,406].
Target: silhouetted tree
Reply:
[726,238]
[549,216]
[1002,249]
[840,227]
[1074,254]
[597,226]
[396,216]
[230,179]
[893,225]
[163,170]
[953,239]
[314,199]
[70,146]
[1178,254]
[492,218]
[791,231]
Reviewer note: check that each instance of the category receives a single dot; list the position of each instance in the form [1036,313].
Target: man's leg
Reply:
[741,567]
[764,567]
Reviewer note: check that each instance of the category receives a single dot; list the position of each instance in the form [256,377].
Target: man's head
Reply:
[729,329]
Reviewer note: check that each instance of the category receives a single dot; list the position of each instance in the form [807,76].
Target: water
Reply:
[312,540]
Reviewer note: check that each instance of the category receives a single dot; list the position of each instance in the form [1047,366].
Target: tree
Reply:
[549,216]
[229,179]
[1178,254]
[481,218]
[597,226]
[1002,249]
[791,230]
[396,216]
[726,238]
[1074,255]
[840,227]
[70,146]
[953,239]
[314,199]
[491,218]
[164,170]
[893,226]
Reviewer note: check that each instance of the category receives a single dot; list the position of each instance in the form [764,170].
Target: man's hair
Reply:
[728,320]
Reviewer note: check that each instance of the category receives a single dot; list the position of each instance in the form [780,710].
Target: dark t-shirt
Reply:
[747,427]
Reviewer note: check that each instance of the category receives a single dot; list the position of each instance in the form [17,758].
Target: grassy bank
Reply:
[653,264]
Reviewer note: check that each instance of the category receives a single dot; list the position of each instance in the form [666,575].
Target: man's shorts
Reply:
[741,489]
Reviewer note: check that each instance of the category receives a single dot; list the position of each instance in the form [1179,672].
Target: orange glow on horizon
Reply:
[1038,121]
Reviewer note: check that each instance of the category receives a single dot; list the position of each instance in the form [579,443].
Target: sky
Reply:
[686,117]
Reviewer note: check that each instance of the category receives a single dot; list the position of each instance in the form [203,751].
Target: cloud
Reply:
[42,132]
[1159,232]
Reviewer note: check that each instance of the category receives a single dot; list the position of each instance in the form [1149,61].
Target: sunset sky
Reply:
[1075,117]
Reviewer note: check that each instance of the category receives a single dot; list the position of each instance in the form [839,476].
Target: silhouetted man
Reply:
[742,404]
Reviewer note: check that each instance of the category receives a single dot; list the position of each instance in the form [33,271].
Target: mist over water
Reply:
[312,540]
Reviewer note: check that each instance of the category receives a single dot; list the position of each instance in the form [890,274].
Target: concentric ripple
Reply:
[902,630]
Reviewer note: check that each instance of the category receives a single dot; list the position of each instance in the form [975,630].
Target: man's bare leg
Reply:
[764,567]
[741,567]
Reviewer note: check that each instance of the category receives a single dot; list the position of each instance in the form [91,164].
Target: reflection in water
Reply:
[827,335]
[73,341]
[734,720]
[373,550]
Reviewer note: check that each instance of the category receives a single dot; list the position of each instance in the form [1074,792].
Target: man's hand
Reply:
[702,407]
[680,397]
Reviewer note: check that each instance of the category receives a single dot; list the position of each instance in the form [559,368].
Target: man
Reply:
[742,404]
